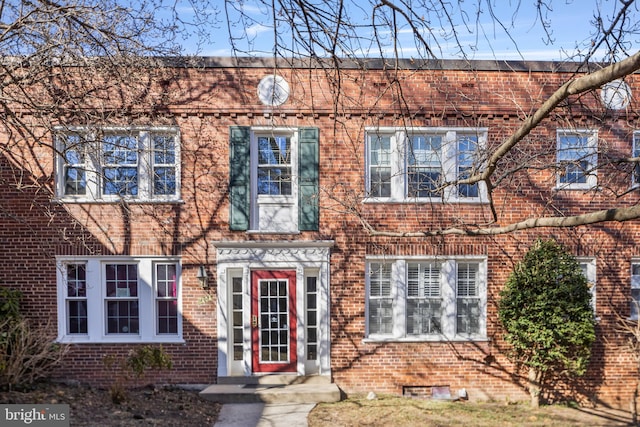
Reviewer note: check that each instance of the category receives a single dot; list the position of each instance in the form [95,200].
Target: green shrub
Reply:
[546,311]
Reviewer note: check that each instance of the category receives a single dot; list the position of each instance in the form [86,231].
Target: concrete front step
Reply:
[276,379]
[272,393]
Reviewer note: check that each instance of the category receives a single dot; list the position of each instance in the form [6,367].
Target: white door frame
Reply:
[238,259]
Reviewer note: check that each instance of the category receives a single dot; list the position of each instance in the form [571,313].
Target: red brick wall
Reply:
[203,103]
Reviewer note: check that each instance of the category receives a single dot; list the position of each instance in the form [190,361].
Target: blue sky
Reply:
[570,29]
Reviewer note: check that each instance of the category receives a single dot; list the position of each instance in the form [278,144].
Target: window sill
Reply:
[426,339]
[69,200]
[83,339]
[425,200]
[576,187]
[273,232]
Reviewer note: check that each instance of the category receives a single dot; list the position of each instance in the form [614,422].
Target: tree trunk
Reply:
[534,387]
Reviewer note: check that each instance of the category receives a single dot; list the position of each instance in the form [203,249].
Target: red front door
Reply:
[273,325]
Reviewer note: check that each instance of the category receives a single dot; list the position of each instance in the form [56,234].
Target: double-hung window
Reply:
[119,299]
[416,299]
[635,180]
[588,267]
[577,157]
[274,179]
[635,290]
[424,164]
[108,164]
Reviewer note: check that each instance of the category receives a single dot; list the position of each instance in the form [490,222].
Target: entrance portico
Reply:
[273,308]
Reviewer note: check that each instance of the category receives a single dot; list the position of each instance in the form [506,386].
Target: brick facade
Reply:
[204,102]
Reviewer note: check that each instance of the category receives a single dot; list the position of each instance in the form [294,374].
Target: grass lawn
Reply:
[398,411]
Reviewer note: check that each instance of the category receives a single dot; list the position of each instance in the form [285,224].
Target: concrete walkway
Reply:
[264,414]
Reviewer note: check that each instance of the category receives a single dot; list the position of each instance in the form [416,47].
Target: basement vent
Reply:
[440,392]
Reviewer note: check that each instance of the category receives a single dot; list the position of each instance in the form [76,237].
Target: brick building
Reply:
[222,217]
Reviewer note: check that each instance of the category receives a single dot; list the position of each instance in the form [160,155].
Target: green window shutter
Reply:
[308,187]
[239,173]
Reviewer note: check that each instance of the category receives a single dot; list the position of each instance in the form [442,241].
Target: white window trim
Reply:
[399,296]
[96,296]
[399,163]
[265,200]
[94,165]
[635,284]
[590,264]
[592,177]
[635,148]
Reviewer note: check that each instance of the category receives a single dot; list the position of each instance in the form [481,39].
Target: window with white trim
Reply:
[112,163]
[588,267]
[274,199]
[424,163]
[635,180]
[426,299]
[119,300]
[635,290]
[577,158]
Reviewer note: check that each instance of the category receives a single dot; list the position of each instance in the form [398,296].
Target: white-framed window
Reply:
[418,299]
[635,290]
[274,183]
[114,299]
[588,267]
[107,164]
[577,159]
[424,164]
[635,177]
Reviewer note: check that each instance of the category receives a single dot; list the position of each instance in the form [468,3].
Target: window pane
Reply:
[467,280]
[168,317]
[75,176]
[77,317]
[424,316]
[122,317]
[166,298]
[468,313]
[312,317]
[164,165]
[274,165]
[468,316]
[75,181]
[635,303]
[238,324]
[467,153]
[120,171]
[424,167]
[636,153]
[380,280]
[76,280]
[381,316]
[380,166]
[380,305]
[122,280]
[166,286]
[164,181]
[574,156]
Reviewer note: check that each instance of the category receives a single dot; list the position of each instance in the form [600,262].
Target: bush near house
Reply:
[27,350]
[546,310]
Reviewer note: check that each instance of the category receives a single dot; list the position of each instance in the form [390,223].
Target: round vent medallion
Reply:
[616,95]
[273,90]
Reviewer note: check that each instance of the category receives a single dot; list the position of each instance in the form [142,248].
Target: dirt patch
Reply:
[357,411]
[148,406]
